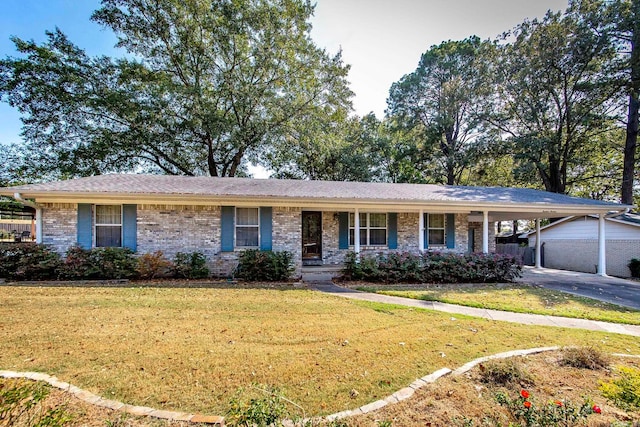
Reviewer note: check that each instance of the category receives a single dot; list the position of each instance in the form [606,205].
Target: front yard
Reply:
[192,349]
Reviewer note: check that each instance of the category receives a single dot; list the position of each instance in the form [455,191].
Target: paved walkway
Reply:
[324,284]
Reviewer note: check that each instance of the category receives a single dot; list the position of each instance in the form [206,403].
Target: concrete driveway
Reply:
[609,289]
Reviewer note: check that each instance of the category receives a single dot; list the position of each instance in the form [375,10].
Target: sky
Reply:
[382,40]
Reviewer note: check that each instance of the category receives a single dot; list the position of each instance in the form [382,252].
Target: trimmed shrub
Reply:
[77,264]
[191,265]
[28,261]
[634,267]
[432,267]
[99,263]
[269,266]
[154,265]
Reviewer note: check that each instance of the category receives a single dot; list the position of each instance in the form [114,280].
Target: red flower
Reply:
[527,404]
[524,393]
[558,403]
[597,409]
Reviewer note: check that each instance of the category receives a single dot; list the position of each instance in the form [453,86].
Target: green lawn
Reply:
[519,298]
[192,349]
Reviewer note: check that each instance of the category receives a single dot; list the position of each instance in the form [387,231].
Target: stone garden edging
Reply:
[396,397]
[407,392]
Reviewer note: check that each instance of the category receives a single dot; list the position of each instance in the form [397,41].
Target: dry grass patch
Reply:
[520,298]
[190,349]
[468,400]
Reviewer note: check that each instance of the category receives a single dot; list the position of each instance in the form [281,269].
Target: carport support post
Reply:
[602,253]
[538,245]
[485,232]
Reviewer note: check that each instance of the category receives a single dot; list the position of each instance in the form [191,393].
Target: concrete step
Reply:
[320,273]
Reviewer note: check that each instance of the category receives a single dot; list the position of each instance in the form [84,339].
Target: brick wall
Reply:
[287,234]
[477,227]
[179,228]
[582,255]
[330,252]
[59,225]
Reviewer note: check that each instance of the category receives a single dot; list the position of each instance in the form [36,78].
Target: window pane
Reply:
[247,236]
[108,236]
[436,221]
[363,237]
[247,216]
[363,220]
[378,220]
[351,238]
[108,214]
[378,237]
[436,237]
[352,220]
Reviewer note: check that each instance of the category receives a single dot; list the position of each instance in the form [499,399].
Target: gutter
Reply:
[616,213]
[38,209]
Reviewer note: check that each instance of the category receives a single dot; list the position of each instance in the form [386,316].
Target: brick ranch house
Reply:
[318,221]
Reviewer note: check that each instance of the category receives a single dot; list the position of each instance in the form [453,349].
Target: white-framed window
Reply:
[247,227]
[435,229]
[108,226]
[373,229]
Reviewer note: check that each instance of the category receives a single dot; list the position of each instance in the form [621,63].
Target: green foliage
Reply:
[584,358]
[266,410]
[552,99]
[438,101]
[154,266]
[205,87]
[504,373]
[431,267]
[190,265]
[21,404]
[269,266]
[634,266]
[28,261]
[560,413]
[99,263]
[624,391]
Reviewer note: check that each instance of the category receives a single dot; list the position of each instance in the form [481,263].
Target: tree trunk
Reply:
[628,171]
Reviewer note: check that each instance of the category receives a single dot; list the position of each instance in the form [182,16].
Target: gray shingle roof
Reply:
[176,186]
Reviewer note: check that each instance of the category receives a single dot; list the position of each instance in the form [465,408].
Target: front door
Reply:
[311,238]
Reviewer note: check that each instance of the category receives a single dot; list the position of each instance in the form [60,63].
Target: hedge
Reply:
[431,267]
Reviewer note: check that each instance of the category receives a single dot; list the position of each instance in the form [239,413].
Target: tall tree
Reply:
[620,20]
[553,98]
[206,86]
[439,100]
[630,33]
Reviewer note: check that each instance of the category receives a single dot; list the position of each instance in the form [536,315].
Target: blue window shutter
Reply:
[265,228]
[130,227]
[450,230]
[426,231]
[343,230]
[227,231]
[393,230]
[85,226]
